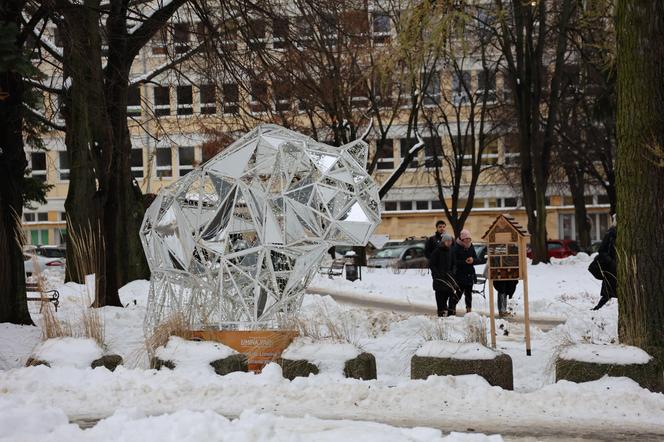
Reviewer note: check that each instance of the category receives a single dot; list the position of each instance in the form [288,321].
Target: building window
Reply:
[63,216]
[208,99]
[257,31]
[137,163]
[422,205]
[29,217]
[358,92]
[460,87]
[432,90]
[231,96]
[486,84]
[185,100]
[385,152]
[512,151]
[381,25]
[162,101]
[164,162]
[510,202]
[229,34]
[42,216]
[405,145]
[490,154]
[63,166]
[405,205]
[433,151]
[181,37]
[134,101]
[280,32]
[603,199]
[186,159]
[160,42]
[38,165]
[465,145]
[390,206]
[258,96]
[436,205]
[282,97]
[39,237]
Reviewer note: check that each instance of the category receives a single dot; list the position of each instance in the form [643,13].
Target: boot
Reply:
[469,309]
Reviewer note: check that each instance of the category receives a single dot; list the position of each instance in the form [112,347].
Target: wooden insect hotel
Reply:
[506,260]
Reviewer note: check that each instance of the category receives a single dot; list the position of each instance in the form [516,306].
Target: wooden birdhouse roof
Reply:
[507,221]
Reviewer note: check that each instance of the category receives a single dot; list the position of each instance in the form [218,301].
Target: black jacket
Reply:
[465,273]
[607,251]
[442,269]
[432,243]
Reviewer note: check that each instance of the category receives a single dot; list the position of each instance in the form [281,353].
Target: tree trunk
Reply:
[640,182]
[13,303]
[575,179]
[89,140]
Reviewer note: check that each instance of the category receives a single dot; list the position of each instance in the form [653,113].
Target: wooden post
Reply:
[526,307]
[492,316]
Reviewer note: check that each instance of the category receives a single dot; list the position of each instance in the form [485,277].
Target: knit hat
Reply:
[465,234]
[446,237]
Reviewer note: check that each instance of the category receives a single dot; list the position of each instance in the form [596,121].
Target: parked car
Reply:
[559,248]
[408,256]
[42,258]
[480,251]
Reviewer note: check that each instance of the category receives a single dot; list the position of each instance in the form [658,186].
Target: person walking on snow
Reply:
[505,290]
[607,262]
[464,258]
[442,266]
[434,241]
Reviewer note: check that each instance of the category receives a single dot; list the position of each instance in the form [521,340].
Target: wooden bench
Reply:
[335,269]
[47,296]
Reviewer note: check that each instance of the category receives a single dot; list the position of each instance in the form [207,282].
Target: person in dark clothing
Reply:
[464,259]
[434,241]
[505,290]
[607,262]
[442,266]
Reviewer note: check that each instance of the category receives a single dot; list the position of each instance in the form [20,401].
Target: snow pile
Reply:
[188,355]
[605,354]
[51,424]
[584,326]
[456,402]
[69,352]
[327,355]
[451,350]
[579,258]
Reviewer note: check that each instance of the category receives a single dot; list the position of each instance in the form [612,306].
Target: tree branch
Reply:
[42,119]
[141,35]
[165,66]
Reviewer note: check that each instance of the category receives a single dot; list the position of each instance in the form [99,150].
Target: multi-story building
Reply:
[170,114]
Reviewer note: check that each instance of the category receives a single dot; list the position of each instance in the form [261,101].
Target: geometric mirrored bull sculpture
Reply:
[234,243]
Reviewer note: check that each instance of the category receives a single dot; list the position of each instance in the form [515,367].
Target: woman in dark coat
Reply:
[607,262]
[465,258]
[505,290]
[442,265]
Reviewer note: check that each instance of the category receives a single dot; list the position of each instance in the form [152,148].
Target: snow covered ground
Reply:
[37,403]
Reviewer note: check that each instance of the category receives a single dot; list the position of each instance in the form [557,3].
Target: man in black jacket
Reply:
[434,241]
[608,264]
[464,260]
[441,265]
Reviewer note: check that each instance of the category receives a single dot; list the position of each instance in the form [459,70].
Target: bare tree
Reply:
[534,39]
[101,41]
[469,118]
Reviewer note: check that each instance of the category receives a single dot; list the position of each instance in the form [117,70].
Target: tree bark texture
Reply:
[13,302]
[640,181]
[103,196]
